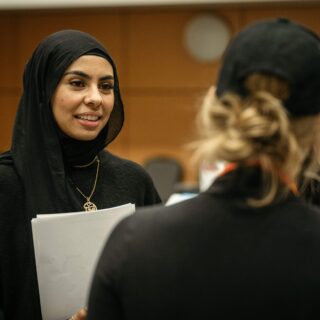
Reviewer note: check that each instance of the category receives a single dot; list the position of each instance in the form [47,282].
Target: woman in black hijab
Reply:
[57,162]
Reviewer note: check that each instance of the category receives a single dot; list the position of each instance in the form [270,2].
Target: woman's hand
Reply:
[80,315]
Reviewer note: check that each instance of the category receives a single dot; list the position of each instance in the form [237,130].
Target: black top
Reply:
[212,257]
[120,181]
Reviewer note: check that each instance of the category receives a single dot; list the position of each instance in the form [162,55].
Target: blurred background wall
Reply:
[161,82]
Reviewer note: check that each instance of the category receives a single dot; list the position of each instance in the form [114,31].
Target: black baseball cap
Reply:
[278,47]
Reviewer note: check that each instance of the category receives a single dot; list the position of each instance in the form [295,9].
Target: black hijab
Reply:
[40,151]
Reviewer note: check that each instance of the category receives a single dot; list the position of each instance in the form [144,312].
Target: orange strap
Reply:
[283,177]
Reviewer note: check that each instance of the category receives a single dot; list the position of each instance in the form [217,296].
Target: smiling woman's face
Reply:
[84,98]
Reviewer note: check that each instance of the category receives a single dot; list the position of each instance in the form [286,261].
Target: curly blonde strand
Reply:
[233,129]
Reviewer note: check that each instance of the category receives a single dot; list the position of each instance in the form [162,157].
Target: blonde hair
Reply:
[258,128]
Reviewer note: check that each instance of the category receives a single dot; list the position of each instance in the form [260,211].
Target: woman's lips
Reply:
[88,120]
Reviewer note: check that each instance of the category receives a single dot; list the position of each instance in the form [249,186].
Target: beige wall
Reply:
[161,84]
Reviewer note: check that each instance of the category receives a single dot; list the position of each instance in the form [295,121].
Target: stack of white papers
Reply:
[67,247]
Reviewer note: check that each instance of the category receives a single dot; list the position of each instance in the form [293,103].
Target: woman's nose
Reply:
[93,97]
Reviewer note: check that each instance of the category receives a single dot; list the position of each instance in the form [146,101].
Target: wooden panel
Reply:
[157,54]
[161,125]
[9,53]
[8,110]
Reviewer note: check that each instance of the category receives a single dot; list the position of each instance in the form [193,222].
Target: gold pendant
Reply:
[90,206]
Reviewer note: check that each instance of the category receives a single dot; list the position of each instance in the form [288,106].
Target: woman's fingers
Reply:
[80,315]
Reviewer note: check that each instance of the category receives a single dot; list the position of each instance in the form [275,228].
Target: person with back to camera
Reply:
[70,110]
[248,246]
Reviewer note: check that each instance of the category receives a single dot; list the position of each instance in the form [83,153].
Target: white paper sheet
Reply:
[67,247]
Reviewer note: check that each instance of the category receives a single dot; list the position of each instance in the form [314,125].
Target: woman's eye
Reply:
[77,83]
[106,86]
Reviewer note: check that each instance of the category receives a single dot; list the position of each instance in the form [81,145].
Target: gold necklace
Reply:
[88,164]
[89,205]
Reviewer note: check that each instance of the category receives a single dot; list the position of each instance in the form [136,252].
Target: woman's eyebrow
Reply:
[85,75]
[108,77]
